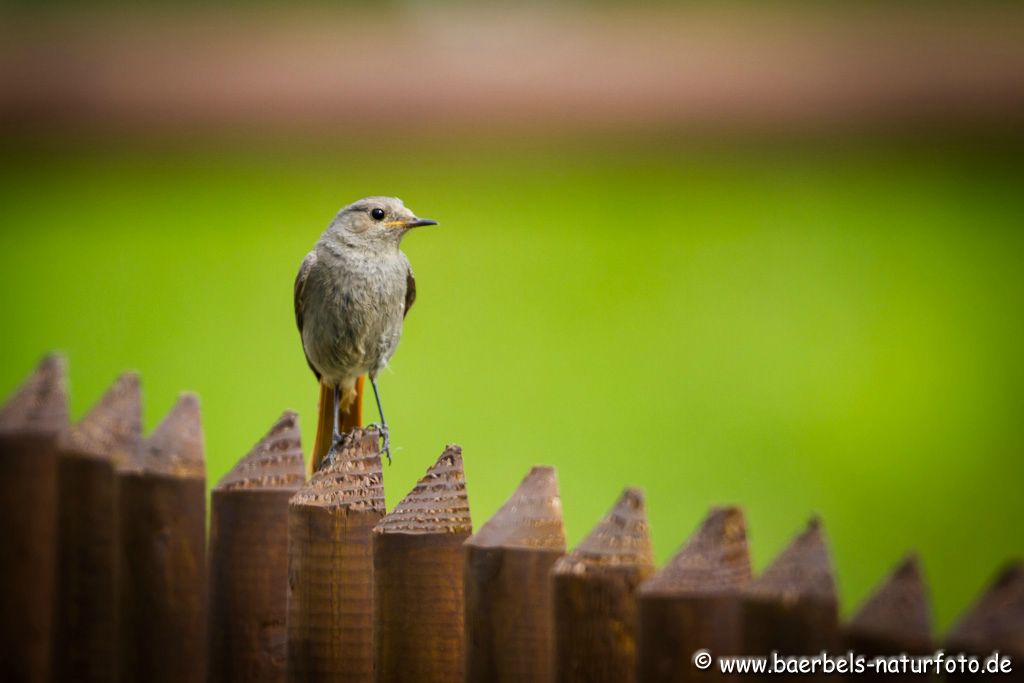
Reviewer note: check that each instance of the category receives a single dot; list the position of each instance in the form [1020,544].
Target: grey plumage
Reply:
[353,291]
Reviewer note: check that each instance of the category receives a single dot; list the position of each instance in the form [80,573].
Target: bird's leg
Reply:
[335,431]
[385,435]
[337,400]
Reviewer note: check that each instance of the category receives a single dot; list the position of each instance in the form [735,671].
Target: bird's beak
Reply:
[419,223]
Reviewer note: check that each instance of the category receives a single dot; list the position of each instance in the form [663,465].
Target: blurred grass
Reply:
[819,330]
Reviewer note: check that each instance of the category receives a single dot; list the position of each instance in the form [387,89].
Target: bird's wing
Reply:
[410,290]
[300,285]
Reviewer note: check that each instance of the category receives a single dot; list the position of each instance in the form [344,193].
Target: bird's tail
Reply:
[348,420]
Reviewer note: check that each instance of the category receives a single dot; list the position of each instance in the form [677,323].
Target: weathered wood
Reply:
[330,565]
[162,570]
[86,631]
[248,551]
[994,622]
[417,562]
[693,603]
[895,619]
[594,596]
[30,423]
[508,562]
[792,607]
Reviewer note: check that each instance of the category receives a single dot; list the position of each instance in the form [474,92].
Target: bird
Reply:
[352,294]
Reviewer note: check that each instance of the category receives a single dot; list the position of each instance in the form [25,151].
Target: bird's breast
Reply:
[356,322]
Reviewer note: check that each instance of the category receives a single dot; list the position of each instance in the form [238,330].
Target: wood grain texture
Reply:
[86,629]
[31,421]
[417,559]
[162,572]
[330,565]
[248,564]
[694,602]
[508,563]
[594,596]
[994,622]
[896,618]
[792,607]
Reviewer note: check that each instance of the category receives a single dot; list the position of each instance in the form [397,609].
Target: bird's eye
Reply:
[378,214]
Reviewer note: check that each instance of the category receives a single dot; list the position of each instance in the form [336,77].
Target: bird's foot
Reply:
[332,453]
[385,439]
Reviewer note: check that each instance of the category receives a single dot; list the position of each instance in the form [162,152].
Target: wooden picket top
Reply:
[90,453]
[792,607]
[162,570]
[508,563]
[249,559]
[594,596]
[417,564]
[896,618]
[994,622]
[31,421]
[330,565]
[694,601]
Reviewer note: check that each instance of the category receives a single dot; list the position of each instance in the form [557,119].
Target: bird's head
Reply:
[377,220]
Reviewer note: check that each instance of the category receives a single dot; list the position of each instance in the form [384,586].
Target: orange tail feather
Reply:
[347,421]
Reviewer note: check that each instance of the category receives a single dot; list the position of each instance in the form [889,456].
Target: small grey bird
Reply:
[352,293]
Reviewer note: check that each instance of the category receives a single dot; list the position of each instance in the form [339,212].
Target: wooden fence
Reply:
[106,574]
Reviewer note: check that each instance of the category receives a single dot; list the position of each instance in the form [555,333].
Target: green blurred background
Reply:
[826,326]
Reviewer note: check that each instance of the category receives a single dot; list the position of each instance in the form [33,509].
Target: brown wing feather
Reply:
[300,284]
[410,291]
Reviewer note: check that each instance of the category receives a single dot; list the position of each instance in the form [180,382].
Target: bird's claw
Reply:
[385,438]
[332,453]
